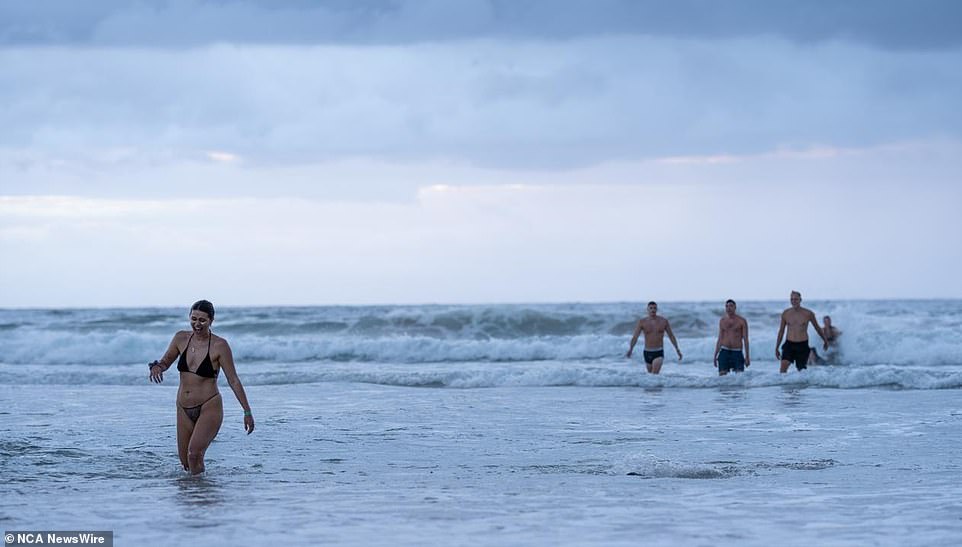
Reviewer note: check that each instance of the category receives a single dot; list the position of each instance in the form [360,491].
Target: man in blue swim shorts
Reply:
[732,333]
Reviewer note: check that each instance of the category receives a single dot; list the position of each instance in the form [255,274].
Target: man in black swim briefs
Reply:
[796,319]
[650,356]
[655,327]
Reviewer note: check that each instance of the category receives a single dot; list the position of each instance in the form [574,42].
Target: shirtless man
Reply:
[831,333]
[831,338]
[796,347]
[654,326]
[732,331]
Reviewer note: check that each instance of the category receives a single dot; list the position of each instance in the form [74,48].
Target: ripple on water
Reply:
[721,469]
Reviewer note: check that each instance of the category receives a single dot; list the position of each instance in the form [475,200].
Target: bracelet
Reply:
[248,413]
[153,364]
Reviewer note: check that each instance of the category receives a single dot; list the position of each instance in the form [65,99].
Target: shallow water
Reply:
[354,463]
[489,425]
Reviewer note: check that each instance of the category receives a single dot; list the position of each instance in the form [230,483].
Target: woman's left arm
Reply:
[226,359]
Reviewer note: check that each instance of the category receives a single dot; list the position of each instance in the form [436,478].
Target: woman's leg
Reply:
[184,429]
[206,428]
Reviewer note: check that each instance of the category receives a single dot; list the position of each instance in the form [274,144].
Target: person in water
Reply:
[796,320]
[200,409]
[732,333]
[831,338]
[655,327]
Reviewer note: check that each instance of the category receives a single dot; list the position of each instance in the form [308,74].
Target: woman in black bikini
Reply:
[200,410]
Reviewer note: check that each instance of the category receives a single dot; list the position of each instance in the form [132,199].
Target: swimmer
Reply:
[200,409]
[732,332]
[796,320]
[831,338]
[655,327]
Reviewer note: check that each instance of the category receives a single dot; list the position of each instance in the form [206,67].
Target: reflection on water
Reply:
[653,401]
[730,394]
[195,491]
[792,396]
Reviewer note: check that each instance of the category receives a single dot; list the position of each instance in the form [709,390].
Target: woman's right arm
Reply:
[158,367]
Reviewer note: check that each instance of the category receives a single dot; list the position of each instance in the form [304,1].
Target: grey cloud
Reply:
[530,105]
[893,24]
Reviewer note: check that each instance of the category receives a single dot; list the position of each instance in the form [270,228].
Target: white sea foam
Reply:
[914,334]
[519,374]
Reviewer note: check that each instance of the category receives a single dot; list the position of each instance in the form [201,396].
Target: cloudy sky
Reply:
[417,151]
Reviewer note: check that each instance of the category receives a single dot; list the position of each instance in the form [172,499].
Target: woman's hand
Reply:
[248,423]
[156,372]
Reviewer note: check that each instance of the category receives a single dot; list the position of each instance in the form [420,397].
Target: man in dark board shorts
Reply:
[655,327]
[796,319]
[732,332]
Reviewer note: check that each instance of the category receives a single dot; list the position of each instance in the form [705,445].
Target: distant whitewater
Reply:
[901,344]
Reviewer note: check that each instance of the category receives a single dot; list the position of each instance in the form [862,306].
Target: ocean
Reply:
[489,425]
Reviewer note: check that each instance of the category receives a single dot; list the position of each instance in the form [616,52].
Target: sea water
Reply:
[489,425]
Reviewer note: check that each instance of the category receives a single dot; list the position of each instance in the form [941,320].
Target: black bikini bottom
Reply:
[193,412]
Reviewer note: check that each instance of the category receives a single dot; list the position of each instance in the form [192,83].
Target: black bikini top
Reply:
[206,368]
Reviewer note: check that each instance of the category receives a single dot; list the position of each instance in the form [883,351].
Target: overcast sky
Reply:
[368,151]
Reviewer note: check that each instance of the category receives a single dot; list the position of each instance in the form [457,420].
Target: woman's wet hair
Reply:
[204,306]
